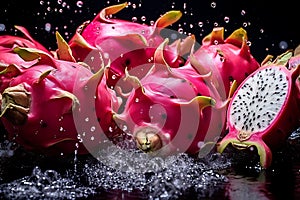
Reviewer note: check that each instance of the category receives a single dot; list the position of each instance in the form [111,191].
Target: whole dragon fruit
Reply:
[39,106]
[9,57]
[173,110]
[122,42]
[227,59]
[264,111]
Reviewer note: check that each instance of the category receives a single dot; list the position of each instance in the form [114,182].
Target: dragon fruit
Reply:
[264,111]
[8,56]
[38,108]
[121,42]
[173,110]
[227,59]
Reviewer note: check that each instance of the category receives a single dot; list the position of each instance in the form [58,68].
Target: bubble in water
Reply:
[143,18]
[200,24]
[283,45]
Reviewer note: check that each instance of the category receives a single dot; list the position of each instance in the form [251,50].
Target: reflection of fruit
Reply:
[228,59]
[263,111]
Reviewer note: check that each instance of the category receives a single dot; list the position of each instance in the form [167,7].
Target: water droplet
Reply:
[243,12]
[200,24]
[180,30]
[47,27]
[79,4]
[113,76]
[213,4]
[87,119]
[93,128]
[249,43]
[261,30]
[137,100]
[134,19]
[173,36]
[106,55]
[226,19]
[143,18]
[2,27]
[283,45]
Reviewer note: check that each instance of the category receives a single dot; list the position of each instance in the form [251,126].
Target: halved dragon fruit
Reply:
[39,106]
[227,59]
[264,111]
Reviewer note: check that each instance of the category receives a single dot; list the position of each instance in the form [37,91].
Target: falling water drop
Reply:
[243,12]
[283,45]
[226,19]
[79,4]
[213,4]
[134,19]
[200,24]
[2,27]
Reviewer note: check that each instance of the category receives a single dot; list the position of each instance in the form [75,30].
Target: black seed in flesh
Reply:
[259,100]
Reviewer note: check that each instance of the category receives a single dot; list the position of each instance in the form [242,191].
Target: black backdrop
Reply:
[269,24]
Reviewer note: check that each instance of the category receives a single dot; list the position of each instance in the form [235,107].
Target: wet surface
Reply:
[130,174]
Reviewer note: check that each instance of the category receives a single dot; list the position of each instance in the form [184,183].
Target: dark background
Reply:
[269,24]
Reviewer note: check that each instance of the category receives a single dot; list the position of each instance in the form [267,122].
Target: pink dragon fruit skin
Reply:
[293,62]
[8,56]
[39,107]
[171,110]
[272,136]
[228,59]
[123,41]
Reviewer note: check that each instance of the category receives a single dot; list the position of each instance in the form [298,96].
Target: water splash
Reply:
[129,172]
